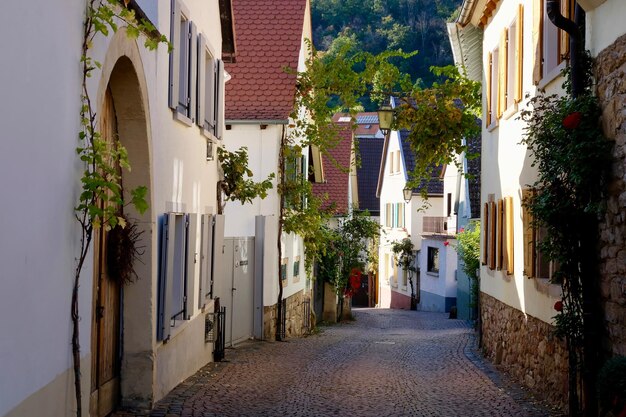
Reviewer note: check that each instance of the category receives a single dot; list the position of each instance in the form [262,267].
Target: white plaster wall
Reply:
[263,149]
[40,172]
[605,23]
[443,283]
[506,170]
[39,175]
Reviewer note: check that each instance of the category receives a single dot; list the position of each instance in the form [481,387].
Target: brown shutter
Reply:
[502,73]
[509,247]
[492,235]
[563,36]
[485,234]
[529,236]
[537,40]
[499,235]
[519,55]
[488,92]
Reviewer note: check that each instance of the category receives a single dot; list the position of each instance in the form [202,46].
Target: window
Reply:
[296,267]
[178,254]
[498,242]
[386,266]
[397,165]
[492,87]
[283,269]
[400,208]
[433,260]
[210,108]
[550,44]
[395,272]
[514,59]
[182,88]
[505,70]
[536,265]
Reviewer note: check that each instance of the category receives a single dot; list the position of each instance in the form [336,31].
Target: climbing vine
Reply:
[571,156]
[101,199]
[237,184]
[403,252]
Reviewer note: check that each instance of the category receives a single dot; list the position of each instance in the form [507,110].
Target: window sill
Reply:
[544,286]
[433,274]
[510,111]
[492,126]
[182,118]
[552,75]
[209,135]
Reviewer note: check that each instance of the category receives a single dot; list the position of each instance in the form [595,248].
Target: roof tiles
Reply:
[269,37]
[336,174]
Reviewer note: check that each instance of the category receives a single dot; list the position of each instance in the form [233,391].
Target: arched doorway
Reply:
[121,310]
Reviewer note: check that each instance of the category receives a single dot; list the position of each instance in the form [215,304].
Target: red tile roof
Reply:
[268,35]
[336,172]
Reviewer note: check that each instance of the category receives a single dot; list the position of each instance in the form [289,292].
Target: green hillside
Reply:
[377,25]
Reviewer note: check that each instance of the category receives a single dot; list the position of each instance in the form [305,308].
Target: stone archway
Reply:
[123,78]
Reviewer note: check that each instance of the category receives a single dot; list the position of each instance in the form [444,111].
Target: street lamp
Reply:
[385,119]
[408,193]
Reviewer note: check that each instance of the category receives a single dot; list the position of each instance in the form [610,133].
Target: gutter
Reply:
[467,8]
[257,121]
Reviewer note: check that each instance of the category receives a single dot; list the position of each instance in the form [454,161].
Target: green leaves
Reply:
[236,185]
[468,248]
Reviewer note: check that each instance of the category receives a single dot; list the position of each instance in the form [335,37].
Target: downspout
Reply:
[591,308]
[575,32]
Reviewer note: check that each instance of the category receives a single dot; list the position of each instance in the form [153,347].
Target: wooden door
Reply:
[105,334]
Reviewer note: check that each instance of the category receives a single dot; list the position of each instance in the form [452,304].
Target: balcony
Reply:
[435,224]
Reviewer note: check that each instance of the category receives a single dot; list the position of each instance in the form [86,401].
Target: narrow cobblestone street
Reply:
[385,363]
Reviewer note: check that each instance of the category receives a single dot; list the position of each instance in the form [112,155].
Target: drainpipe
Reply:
[573,28]
[591,308]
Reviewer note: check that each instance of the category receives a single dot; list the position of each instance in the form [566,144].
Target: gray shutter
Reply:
[201,87]
[219,97]
[183,70]
[193,257]
[166,276]
[217,261]
[206,245]
[175,54]
[210,101]
[193,70]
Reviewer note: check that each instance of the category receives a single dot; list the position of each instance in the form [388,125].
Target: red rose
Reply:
[446,243]
[462,230]
[558,306]
[572,120]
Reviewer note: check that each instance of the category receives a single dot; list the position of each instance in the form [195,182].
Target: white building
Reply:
[514,49]
[400,219]
[135,346]
[260,98]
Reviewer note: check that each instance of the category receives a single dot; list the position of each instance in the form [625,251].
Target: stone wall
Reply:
[526,348]
[295,320]
[611,85]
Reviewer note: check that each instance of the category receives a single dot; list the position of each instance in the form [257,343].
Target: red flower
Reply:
[558,306]
[462,230]
[446,243]
[572,120]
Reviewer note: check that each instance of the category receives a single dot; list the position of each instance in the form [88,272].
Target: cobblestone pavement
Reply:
[386,363]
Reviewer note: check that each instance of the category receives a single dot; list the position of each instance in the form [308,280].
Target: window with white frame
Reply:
[210,107]
[550,44]
[433,260]
[182,78]
[492,87]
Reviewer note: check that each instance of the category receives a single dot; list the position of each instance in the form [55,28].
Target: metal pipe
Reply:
[553,9]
